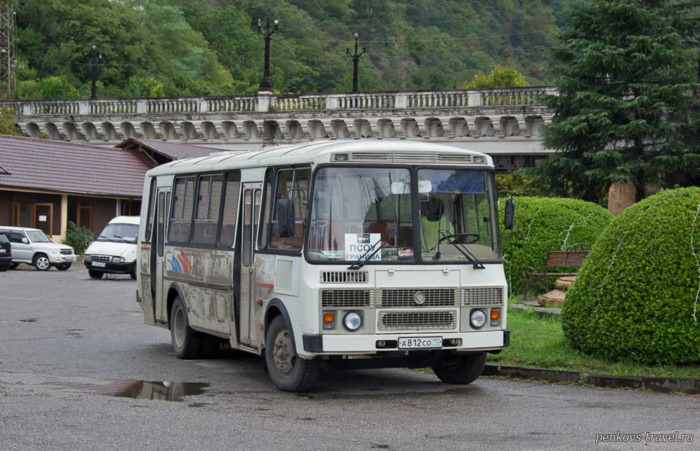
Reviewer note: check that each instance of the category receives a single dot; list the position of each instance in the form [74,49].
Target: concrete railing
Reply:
[263,102]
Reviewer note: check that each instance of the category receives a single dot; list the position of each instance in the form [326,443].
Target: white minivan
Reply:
[114,250]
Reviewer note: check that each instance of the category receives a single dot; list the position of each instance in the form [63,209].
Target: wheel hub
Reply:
[283,353]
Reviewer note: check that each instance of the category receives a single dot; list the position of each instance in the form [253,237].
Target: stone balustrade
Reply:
[494,121]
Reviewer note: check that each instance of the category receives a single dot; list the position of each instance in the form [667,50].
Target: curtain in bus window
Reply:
[207,217]
[181,219]
[228,221]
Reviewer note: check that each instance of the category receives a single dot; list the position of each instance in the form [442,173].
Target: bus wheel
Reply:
[286,369]
[459,368]
[187,343]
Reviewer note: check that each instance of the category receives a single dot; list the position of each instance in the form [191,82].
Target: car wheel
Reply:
[286,369]
[187,343]
[63,267]
[133,271]
[95,274]
[42,262]
[4,268]
[459,368]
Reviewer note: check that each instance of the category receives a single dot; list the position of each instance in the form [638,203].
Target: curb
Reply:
[660,385]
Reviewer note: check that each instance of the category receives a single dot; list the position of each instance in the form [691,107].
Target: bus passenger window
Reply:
[181,217]
[207,216]
[228,221]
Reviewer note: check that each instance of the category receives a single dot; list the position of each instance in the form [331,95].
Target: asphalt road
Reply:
[69,345]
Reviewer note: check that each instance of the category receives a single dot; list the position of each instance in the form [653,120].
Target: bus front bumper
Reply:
[372,344]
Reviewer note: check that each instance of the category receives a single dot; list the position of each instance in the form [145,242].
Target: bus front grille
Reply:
[416,297]
[482,296]
[414,321]
[347,298]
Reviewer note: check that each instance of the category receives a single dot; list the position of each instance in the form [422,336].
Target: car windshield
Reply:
[362,215]
[119,232]
[37,236]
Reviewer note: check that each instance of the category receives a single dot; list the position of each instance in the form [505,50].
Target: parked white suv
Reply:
[114,250]
[34,247]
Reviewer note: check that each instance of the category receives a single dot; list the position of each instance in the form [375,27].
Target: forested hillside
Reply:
[155,48]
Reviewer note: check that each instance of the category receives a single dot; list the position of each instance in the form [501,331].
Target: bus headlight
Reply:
[477,319]
[352,321]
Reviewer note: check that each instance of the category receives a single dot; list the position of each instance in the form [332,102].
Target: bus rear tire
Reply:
[287,371]
[459,368]
[187,344]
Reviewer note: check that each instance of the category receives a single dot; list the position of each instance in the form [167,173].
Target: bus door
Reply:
[252,196]
[158,254]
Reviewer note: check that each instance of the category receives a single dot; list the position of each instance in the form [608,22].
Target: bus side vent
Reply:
[343,277]
[482,296]
[454,158]
[347,298]
[413,320]
[369,156]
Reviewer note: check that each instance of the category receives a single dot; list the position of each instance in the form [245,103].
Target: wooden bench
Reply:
[571,257]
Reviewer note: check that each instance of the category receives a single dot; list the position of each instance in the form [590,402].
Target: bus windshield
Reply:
[356,211]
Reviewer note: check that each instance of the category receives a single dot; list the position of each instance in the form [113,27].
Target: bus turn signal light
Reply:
[495,316]
[328,320]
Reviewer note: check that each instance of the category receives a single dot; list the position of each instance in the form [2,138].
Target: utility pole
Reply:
[355,59]
[8,63]
[267,32]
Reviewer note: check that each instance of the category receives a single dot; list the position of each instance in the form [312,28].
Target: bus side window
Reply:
[290,203]
[181,216]
[230,213]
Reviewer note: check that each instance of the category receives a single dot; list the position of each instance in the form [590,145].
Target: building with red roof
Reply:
[44,184]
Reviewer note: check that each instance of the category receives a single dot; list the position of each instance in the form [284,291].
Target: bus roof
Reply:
[378,152]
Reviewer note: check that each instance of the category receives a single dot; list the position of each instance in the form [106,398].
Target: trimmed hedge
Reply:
[545,224]
[636,296]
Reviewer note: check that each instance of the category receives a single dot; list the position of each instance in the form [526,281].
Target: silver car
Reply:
[32,246]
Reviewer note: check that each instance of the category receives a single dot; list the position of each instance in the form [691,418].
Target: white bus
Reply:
[342,254]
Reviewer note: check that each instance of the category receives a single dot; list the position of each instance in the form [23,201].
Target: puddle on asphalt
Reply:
[162,391]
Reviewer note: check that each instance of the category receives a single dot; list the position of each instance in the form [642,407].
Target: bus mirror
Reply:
[285,217]
[509,219]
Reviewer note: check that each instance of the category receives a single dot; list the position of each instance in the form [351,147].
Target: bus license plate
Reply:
[420,342]
[98,264]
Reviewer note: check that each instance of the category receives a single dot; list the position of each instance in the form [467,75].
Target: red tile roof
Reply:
[171,150]
[70,168]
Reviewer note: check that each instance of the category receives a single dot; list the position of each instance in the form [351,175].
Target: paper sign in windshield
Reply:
[359,244]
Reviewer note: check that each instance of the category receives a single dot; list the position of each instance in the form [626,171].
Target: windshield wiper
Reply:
[371,252]
[461,248]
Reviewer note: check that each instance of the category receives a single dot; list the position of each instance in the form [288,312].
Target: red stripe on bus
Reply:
[145,248]
[265,285]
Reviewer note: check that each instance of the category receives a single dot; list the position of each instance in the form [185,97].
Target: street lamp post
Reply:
[95,59]
[355,59]
[267,32]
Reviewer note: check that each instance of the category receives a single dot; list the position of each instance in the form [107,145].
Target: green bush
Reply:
[78,238]
[636,296]
[547,224]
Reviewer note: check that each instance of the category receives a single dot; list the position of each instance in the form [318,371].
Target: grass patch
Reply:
[540,343]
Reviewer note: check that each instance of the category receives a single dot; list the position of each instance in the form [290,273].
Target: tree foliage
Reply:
[500,77]
[626,73]
[155,48]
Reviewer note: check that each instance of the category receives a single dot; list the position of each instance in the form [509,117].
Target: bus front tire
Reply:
[187,344]
[459,368]
[287,371]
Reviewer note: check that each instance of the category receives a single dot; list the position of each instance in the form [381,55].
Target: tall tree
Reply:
[626,72]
